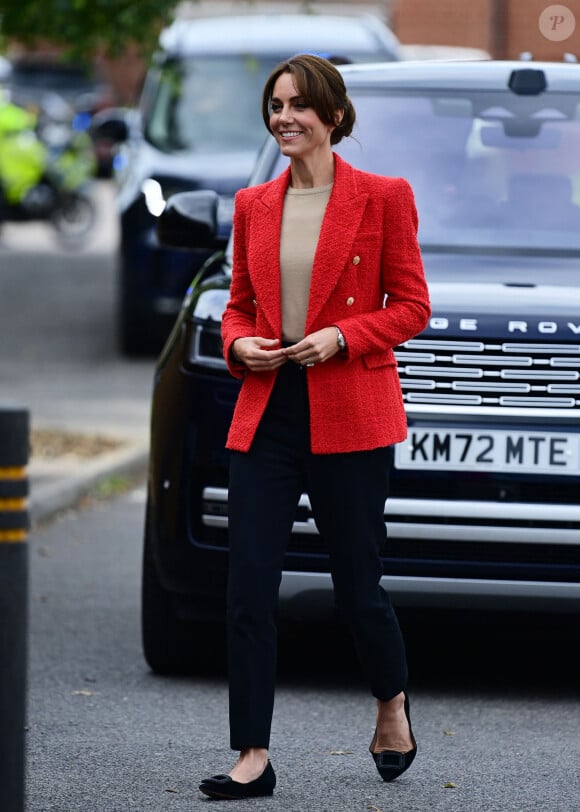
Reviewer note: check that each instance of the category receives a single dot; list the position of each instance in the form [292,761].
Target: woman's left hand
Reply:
[314,348]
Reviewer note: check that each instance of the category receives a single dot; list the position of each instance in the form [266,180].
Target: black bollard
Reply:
[14,449]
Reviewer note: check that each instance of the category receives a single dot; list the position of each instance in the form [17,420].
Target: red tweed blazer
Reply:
[367,278]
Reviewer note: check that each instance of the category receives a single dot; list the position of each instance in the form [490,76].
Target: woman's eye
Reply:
[276,107]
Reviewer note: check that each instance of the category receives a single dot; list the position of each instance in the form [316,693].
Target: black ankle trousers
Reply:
[347,494]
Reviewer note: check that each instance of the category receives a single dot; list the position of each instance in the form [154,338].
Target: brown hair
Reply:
[321,85]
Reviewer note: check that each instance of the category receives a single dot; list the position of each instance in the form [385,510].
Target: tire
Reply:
[136,334]
[172,645]
[74,219]
[133,341]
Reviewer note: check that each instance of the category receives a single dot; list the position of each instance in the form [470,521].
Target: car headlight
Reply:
[204,346]
[153,194]
[204,342]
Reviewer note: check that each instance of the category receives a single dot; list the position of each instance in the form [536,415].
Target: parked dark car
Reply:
[201,127]
[484,510]
[30,78]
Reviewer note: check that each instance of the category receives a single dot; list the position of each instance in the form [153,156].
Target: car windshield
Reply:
[489,170]
[209,104]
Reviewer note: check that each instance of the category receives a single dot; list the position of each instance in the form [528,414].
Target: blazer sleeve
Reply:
[239,317]
[407,308]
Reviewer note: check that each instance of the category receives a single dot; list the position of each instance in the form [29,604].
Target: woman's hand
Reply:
[314,348]
[259,354]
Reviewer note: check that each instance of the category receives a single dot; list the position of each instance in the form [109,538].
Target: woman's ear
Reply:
[338,116]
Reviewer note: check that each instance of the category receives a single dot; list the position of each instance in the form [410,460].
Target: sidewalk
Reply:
[62,480]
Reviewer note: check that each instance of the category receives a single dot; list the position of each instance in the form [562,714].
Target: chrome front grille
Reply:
[490,374]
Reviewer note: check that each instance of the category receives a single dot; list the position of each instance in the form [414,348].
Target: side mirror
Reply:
[190,220]
[110,125]
[108,129]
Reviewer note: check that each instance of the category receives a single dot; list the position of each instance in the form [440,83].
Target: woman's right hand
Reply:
[259,354]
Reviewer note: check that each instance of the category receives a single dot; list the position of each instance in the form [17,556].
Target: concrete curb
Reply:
[52,491]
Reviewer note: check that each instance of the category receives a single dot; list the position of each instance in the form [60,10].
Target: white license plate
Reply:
[530,452]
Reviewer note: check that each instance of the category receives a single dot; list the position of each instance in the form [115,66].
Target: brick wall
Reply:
[442,22]
[504,28]
[523,30]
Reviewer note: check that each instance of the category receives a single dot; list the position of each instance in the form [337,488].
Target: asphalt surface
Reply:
[494,705]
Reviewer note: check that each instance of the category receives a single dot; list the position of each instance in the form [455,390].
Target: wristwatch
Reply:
[340,339]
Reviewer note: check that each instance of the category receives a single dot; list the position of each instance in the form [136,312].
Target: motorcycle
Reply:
[47,166]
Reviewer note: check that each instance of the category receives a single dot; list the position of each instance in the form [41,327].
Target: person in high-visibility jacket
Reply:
[22,155]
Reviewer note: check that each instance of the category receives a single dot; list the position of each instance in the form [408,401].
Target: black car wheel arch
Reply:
[172,644]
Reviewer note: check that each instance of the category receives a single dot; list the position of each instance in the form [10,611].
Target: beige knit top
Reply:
[301,221]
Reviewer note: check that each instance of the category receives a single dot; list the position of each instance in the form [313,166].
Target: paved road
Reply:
[495,706]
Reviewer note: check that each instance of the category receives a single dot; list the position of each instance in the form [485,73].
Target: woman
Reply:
[316,251]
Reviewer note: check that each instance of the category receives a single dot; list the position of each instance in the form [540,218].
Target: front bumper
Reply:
[476,539]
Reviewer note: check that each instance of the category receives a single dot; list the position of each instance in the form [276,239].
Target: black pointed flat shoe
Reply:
[391,763]
[223,787]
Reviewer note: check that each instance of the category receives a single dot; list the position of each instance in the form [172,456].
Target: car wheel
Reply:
[138,331]
[172,645]
[132,339]
[139,334]
[74,219]
[133,323]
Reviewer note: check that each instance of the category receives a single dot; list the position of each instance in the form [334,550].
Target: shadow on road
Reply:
[449,652]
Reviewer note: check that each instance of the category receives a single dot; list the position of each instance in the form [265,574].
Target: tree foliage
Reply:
[84,28]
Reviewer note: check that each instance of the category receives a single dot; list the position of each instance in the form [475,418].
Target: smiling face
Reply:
[300,133]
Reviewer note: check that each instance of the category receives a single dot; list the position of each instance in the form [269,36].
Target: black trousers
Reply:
[347,493]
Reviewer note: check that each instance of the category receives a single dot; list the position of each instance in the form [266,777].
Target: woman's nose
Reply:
[286,113]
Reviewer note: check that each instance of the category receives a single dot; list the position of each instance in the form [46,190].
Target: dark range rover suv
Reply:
[485,505]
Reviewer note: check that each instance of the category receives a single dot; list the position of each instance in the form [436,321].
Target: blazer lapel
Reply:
[264,252]
[341,223]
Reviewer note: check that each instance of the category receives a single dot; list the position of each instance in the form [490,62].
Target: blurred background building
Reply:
[502,29]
